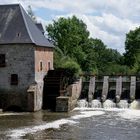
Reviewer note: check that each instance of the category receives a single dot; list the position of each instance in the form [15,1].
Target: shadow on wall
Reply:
[14,108]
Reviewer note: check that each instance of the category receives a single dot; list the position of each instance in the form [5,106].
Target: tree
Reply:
[132,46]
[117,69]
[71,38]
[136,68]
[104,56]
[31,14]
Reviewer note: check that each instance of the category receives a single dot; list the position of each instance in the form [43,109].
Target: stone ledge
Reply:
[62,104]
[1,111]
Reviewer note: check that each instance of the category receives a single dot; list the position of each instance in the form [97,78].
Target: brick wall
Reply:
[44,56]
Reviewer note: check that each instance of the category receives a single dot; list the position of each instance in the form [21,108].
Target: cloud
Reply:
[122,8]
[108,20]
[109,28]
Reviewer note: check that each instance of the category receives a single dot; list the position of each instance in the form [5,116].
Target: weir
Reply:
[118,88]
[105,88]
[113,91]
[133,87]
[91,89]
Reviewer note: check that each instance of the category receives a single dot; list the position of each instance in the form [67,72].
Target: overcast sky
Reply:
[108,20]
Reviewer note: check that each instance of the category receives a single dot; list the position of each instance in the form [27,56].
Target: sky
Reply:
[108,20]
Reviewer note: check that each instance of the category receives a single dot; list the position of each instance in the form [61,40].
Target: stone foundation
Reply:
[68,102]
[62,104]
[34,97]
[11,100]
[31,100]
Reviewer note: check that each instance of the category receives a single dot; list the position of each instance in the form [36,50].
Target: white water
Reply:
[123,104]
[130,114]
[135,104]
[12,114]
[17,133]
[82,103]
[83,112]
[96,104]
[109,104]
[86,114]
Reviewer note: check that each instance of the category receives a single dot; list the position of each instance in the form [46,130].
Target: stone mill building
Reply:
[25,57]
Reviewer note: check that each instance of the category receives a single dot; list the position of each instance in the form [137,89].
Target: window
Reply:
[41,66]
[49,65]
[14,79]
[18,34]
[2,60]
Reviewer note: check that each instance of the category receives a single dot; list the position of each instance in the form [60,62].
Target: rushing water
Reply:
[123,104]
[82,103]
[80,124]
[135,104]
[109,104]
[96,104]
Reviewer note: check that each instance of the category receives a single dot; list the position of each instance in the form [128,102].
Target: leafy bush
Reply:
[72,67]
[115,69]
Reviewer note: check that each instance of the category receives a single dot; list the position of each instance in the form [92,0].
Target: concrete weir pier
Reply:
[113,91]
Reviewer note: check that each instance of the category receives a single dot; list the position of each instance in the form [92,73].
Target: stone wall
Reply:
[20,61]
[24,60]
[68,102]
[34,98]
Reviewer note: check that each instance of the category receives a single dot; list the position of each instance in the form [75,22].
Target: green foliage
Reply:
[117,69]
[105,56]
[72,66]
[136,68]
[70,36]
[132,46]
[76,51]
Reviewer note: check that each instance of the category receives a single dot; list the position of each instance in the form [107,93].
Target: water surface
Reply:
[80,124]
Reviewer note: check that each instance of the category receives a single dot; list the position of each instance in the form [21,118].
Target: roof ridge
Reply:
[16,4]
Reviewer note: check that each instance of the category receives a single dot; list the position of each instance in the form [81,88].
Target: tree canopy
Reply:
[132,46]
[74,47]
[71,38]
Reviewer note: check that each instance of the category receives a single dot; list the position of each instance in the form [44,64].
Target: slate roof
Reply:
[40,27]
[17,27]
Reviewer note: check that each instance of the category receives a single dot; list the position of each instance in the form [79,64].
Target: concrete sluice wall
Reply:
[112,91]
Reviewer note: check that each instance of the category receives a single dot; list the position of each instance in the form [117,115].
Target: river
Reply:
[80,124]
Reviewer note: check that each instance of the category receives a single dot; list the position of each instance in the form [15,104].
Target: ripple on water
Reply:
[17,133]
